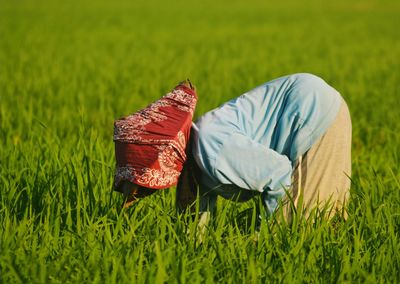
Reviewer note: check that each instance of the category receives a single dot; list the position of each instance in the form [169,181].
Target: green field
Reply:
[69,68]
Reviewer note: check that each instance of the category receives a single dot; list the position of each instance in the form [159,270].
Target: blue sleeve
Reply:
[252,166]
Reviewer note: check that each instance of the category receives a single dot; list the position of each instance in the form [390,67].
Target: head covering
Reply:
[150,144]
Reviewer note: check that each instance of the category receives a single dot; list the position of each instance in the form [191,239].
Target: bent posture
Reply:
[291,135]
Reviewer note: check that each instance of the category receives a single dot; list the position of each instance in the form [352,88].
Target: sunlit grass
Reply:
[68,69]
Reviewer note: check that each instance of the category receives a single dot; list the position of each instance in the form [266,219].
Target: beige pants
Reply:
[321,178]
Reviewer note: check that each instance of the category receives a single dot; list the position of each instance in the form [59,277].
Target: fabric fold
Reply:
[150,145]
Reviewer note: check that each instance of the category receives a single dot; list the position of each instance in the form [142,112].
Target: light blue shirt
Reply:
[251,143]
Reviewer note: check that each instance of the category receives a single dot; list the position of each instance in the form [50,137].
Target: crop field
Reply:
[68,69]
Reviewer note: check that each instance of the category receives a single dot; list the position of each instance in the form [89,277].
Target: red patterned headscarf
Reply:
[150,144]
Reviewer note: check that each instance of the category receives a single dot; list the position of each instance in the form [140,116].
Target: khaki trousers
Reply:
[321,178]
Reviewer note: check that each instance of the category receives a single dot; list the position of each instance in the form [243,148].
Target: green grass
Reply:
[69,68]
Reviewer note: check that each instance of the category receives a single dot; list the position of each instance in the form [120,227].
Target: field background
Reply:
[69,68]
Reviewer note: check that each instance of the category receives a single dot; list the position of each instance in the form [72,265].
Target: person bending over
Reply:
[288,139]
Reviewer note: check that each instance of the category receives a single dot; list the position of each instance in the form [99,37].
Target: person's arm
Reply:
[188,189]
[253,166]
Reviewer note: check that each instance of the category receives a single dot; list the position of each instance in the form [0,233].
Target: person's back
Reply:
[286,115]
